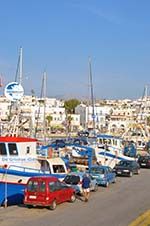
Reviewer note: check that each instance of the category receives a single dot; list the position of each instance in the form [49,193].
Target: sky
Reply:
[59,36]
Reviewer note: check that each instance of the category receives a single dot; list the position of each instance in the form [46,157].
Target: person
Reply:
[86,187]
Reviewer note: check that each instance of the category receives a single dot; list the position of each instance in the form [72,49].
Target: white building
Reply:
[86,115]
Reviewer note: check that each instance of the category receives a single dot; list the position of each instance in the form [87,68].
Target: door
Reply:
[32,190]
[42,192]
[57,192]
[110,175]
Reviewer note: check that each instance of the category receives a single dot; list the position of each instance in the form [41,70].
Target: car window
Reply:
[97,170]
[124,163]
[54,186]
[72,179]
[32,186]
[42,186]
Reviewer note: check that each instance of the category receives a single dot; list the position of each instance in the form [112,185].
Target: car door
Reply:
[61,192]
[42,193]
[111,175]
[32,190]
[134,167]
[106,174]
[65,191]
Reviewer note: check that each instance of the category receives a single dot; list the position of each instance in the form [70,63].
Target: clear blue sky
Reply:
[59,35]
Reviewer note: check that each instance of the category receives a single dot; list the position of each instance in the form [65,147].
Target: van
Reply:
[47,192]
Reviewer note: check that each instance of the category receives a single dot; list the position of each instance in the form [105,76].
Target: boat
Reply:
[109,150]
[20,159]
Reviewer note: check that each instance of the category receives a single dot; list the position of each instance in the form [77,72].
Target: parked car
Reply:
[74,179]
[127,168]
[47,192]
[144,161]
[104,175]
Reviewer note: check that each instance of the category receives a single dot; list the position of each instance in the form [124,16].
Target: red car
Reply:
[48,192]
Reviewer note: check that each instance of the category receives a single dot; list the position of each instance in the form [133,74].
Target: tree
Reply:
[69,119]
[49,118]
[70,105]
[148,120]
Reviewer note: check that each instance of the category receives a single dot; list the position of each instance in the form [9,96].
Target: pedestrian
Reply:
[86,187]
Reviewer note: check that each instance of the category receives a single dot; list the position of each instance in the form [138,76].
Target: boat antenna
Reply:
[92,93]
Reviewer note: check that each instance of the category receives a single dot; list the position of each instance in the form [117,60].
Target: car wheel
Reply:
[95,188]
[29,206]
[130,174]
[53,205]
[73,198]
[107,183]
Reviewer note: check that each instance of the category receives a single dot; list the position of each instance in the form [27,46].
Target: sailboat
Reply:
[22,158]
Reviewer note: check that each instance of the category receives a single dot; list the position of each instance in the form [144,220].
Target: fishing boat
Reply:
[23,157]
[109,150]
[20,159]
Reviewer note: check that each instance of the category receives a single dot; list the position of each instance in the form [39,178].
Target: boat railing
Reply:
[23,169]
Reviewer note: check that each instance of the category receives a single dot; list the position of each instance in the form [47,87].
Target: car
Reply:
[104,175]
[47,192]
[127,168]
[74,179]
[144,161]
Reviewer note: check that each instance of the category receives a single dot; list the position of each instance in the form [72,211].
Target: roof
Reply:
[17,139]
[45,178]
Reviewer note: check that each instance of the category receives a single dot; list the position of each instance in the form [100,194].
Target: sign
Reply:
[14,91]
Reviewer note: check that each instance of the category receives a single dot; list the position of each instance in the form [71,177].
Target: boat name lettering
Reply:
[11,159]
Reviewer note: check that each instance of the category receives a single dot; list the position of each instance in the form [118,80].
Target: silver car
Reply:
[74,179]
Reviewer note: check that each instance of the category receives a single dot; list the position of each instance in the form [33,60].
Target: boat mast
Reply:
[43,98]
[44,111]
[92,94]
[20,67]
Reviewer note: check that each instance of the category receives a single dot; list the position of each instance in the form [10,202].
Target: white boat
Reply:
[20,159]
[109,150]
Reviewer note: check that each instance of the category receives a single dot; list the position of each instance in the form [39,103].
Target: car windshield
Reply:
[72,179]
[144,157]
[124,163]
[97,170]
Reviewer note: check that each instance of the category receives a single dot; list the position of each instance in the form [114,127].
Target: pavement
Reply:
[142,220]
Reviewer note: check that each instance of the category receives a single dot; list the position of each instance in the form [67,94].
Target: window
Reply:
[97,170]
[54,186]
[72,179]
[32,186]
[58,169]
[42,187]
[2,149]
[28,150]
[12,149]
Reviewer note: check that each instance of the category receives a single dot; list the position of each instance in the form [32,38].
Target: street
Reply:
[117,205]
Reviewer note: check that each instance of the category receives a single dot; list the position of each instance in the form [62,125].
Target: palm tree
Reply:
[49,118]
[69,119]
